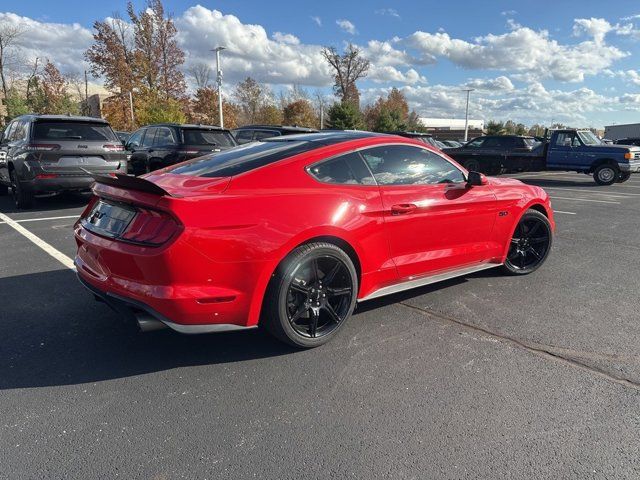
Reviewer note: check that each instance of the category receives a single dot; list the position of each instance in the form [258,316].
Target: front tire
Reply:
[311,295]
[21,197]
[530,244]
[605,174]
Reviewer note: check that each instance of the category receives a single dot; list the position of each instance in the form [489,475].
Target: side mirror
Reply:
[476,179]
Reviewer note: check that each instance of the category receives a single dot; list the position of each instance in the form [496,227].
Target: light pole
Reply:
[466,115]
[219,82]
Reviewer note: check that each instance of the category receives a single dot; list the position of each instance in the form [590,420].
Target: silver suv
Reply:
[55,153]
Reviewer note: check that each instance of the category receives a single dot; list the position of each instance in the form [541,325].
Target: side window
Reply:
[135,140]
[20,132]
[244,136]
[405,165]
[6,137]
[565,139]
[347,169]
[260,134]
[475,143]
[492,142]
[148,137]
[164,136]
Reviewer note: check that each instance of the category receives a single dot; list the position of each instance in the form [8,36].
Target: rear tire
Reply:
[623,177]
[530,244]
[311,295]
[605,174]
[23,199]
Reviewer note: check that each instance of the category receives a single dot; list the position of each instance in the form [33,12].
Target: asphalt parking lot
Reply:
[481,377]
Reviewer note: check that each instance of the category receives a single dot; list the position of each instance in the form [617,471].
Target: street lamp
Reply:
[219,82]
[466,115]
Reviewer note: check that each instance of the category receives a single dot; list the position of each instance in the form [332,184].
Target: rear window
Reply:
[198,136]
[87,131]
[243,158]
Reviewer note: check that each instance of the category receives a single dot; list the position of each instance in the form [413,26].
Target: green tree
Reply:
[16,104]
[300,113]
[345,116]
[150,108]
[495,128]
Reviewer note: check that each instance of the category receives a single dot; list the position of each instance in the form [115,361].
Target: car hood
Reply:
[614,148]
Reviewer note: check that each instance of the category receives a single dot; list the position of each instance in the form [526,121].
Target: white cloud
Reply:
[500,83]
[347,26]
[286,38]
[508,13]
[522,50]
[391,12]
[317,20]
[595,27]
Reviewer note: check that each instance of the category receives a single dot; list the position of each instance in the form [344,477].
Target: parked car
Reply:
[123,136]
[55,153]
[425,138]
[289,233]
[253,133]
[451,143]
[628,141]
[493,154]
[157,146]
[565,150]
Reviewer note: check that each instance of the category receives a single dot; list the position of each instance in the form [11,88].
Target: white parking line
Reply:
[584,200]
[57,254]
[592,192]
[52,218]
[566,213]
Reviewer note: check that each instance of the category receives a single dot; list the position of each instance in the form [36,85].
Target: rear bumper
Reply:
[135,312]
[57,184]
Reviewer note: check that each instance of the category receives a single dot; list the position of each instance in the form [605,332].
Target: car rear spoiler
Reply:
[129,182]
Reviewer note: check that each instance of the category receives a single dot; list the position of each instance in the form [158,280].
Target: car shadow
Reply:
[47,203]
[588,183]
[52,332]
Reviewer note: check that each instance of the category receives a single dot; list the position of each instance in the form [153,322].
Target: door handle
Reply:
[403,208]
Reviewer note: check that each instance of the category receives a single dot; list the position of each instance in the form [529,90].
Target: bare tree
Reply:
[31,79]
[9,35]
[201,73]
[348,67]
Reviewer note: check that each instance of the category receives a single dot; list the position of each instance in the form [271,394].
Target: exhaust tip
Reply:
[147,323]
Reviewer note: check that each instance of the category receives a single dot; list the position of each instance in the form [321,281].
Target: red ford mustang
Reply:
[290,233]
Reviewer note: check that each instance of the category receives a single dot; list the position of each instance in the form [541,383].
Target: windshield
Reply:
[199,136]
[65,130]
[588,138]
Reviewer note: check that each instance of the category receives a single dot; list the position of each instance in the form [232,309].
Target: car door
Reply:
[140,157]
[162,149]
[561,150]
[434,222]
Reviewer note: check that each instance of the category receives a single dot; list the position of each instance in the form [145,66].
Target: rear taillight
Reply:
[42,147]
[46,176]
[150,227]
[113,148]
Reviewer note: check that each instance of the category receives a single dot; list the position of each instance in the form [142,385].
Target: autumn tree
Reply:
[388,114]
[299,113]
[255,104]
[347,68]
[50,93]
[204,109]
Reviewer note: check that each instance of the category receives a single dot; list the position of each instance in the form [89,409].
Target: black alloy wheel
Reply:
[312,296]
[530,244]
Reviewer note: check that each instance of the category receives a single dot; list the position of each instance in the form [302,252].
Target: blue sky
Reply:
[571,61]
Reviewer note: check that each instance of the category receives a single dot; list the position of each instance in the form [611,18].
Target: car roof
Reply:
[186,125]
[326,137]
[410,134]
[284,128]
[72,118]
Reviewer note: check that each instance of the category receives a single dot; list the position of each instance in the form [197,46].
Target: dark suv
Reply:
[254,133]
[628,141]
[157,146]
[55,153]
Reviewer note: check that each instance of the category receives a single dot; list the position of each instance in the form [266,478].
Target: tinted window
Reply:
[261,134]
[148,137]
[20,132]
[346,169]
[6,137]
[493,142]
[135,139]
[243,136]
[214,138]
[404,165]
[64,130]
[243,158]
[164,136]
[475,143]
